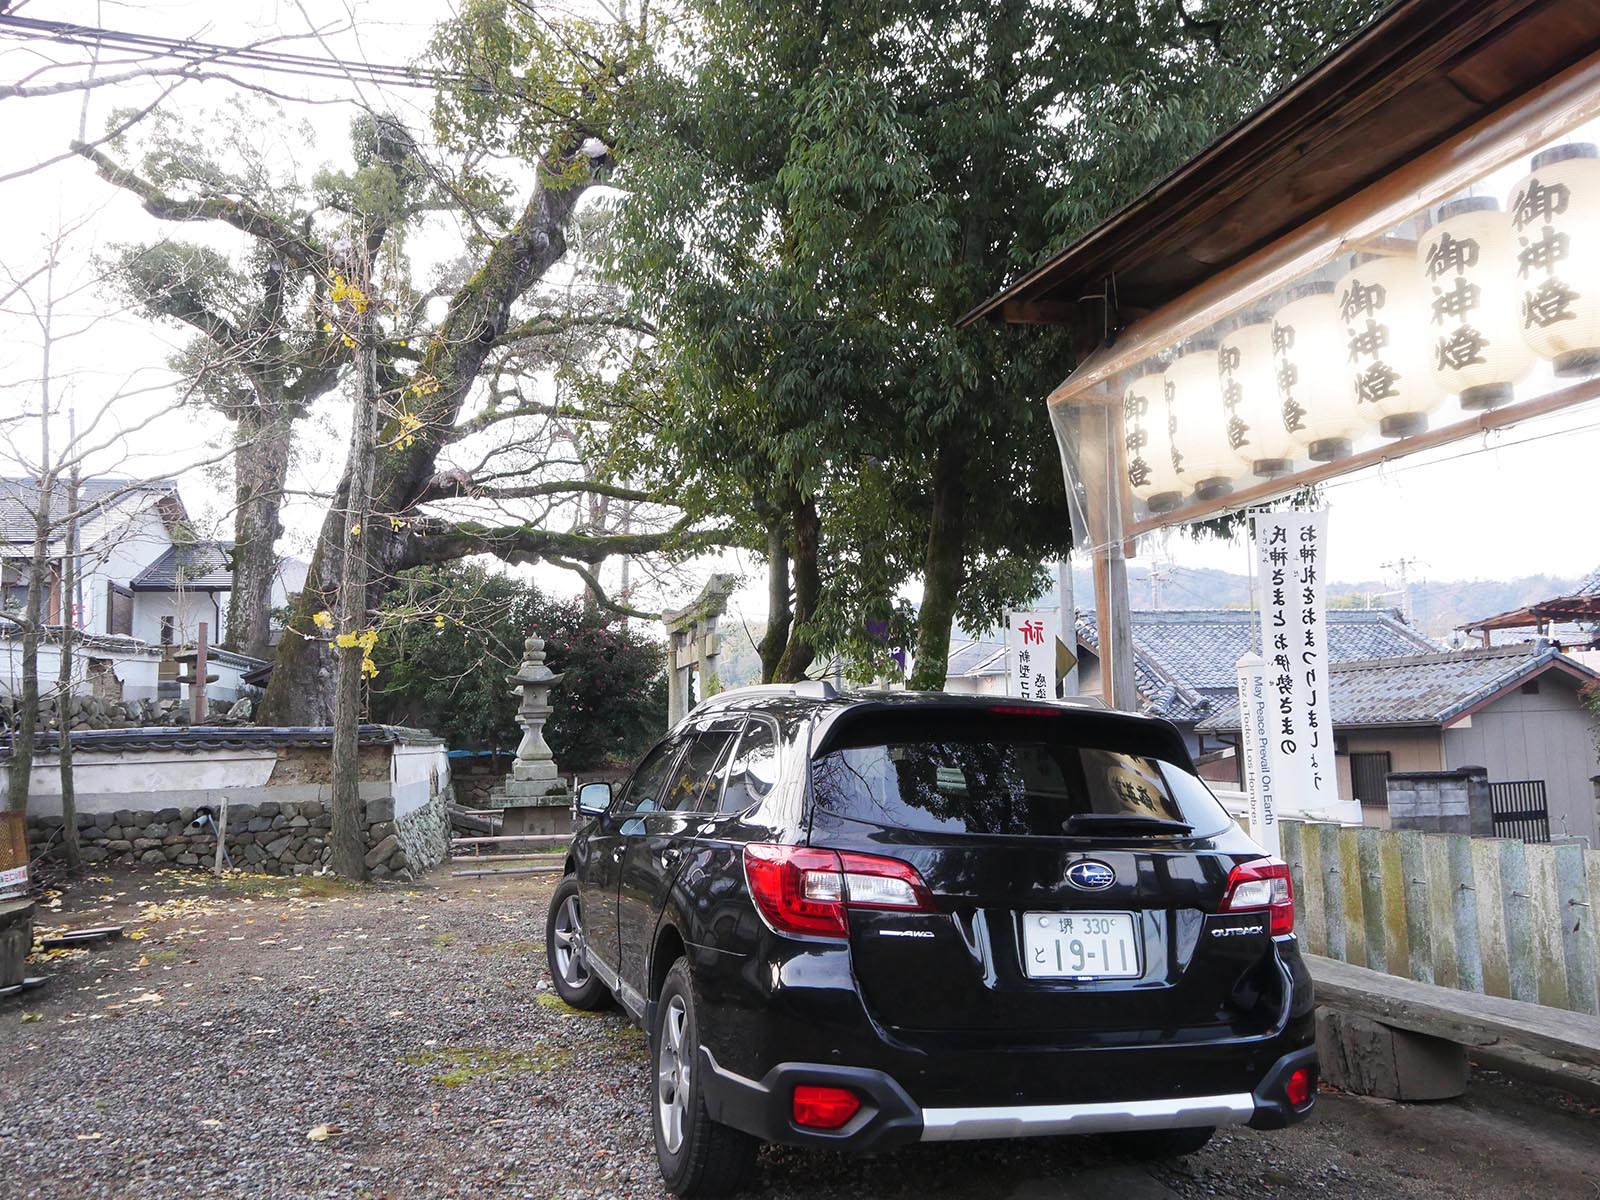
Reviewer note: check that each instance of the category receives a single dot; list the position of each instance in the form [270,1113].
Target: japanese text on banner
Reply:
[1031,654]
[1291,553]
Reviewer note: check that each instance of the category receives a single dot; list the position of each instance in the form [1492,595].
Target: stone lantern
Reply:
[534,794]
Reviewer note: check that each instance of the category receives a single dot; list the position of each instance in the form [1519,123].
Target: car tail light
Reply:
[1298,1088]
[807,891]
[824,1107]
[1262,884]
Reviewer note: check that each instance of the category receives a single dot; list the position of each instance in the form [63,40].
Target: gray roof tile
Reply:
[1423,689]
[201,567]
[1186,659]
[19,501]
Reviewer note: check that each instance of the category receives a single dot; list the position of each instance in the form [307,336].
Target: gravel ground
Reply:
[268,1038]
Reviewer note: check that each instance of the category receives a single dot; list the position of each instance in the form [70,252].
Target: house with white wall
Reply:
[145,583]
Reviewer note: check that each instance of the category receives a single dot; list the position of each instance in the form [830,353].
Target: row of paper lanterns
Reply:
[1487,294]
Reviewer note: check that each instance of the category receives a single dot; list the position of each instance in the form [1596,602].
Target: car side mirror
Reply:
[594,798]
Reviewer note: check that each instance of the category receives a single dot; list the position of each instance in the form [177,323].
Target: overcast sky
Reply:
[1515,502]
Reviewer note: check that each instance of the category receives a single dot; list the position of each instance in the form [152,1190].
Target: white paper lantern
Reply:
[1249,382]
[1147,429]
[1308,346]
[1555,221]
[1194,391]
[1385,316]
[1477,344]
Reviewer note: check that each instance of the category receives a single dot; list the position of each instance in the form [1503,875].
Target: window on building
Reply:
[1369,778]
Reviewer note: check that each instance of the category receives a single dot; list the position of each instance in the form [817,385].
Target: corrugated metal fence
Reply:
[1490,915]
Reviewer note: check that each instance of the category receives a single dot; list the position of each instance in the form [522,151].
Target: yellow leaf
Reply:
[320,1133]
[29,1018]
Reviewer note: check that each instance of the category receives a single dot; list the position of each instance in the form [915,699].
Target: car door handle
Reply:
[670,856]
[616,855]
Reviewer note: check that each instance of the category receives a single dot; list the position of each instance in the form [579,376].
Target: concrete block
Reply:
[1361,1055]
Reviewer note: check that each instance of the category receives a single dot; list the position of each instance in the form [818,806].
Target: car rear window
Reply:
[1031,778]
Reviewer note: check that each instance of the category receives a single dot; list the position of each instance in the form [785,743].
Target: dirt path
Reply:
[266,1040]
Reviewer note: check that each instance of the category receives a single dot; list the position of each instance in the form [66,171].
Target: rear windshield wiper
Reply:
[1122,823]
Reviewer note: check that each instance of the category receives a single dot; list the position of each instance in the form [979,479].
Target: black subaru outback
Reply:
[856,921]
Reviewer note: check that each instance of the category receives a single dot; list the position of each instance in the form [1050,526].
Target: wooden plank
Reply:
[1550,958]
[1489,901]
[543,870]
[1347,846]
[1419,936]
[1316,919]
[1370,842]
[1469,965]
[1441,909]
[1519,920]
[1463,1017]
[1396,934]
[1575,919]
[477,858]
[1332,889]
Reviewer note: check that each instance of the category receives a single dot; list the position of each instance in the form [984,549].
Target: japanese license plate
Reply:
[1080,945]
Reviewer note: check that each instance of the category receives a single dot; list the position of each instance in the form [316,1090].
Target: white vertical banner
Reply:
[1291,557]
[1255,749]
[1031,654]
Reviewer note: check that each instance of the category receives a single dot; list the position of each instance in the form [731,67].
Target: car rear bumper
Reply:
[890,1117]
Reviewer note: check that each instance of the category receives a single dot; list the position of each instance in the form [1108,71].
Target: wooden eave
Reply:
[1562,608]
[1419,74]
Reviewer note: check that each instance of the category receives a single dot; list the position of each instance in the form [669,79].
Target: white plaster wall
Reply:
[136,667]
[117,545]
[188,609]
[145,778]
[417,773]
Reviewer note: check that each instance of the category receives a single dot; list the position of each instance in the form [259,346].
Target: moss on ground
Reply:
[510,948]
[552,1001]
[459,1065]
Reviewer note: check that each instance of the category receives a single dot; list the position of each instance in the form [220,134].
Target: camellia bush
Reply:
[449,637]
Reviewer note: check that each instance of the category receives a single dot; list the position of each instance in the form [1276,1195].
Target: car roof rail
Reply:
[806,689]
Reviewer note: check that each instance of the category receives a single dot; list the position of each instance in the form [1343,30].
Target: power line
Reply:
[203,53]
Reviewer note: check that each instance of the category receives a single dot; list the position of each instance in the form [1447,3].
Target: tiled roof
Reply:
[19,501]
[225,737]
[201,567]
[977,657]
[1424,689]
[1185,660]
[1590,586]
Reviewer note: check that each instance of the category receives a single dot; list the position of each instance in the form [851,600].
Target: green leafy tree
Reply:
[816,194]
[450,635]
[263,349]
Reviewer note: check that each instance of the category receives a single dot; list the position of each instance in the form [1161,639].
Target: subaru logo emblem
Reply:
[1091,876]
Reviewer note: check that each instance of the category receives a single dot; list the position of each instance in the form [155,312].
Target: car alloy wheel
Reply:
[568,933]
[673,1082]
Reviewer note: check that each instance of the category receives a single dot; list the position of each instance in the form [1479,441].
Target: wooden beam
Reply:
[1497,418]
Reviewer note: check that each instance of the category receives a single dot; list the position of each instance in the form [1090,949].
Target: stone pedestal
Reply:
[534,781]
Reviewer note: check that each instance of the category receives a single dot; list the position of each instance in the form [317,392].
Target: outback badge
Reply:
[1090,875]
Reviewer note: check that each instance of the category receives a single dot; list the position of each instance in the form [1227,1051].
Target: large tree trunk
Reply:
[942,567]
[799,653]
[261,465]
[302,685]
[779,613]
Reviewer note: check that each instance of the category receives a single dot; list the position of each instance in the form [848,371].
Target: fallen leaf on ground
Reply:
[90,1137]
[321,1133]
[29,1017]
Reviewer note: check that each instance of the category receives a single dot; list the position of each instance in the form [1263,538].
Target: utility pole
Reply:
[349,850]
[1402,567]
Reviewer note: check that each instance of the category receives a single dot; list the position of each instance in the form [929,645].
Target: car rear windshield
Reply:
[978,772]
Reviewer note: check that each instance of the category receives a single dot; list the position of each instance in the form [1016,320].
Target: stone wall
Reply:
[1441,801]
[270,837]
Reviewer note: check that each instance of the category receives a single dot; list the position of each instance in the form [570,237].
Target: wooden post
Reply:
[197,691]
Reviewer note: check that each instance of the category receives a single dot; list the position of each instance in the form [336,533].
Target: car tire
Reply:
[697,1156]
[565,951]
[1150,1144]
